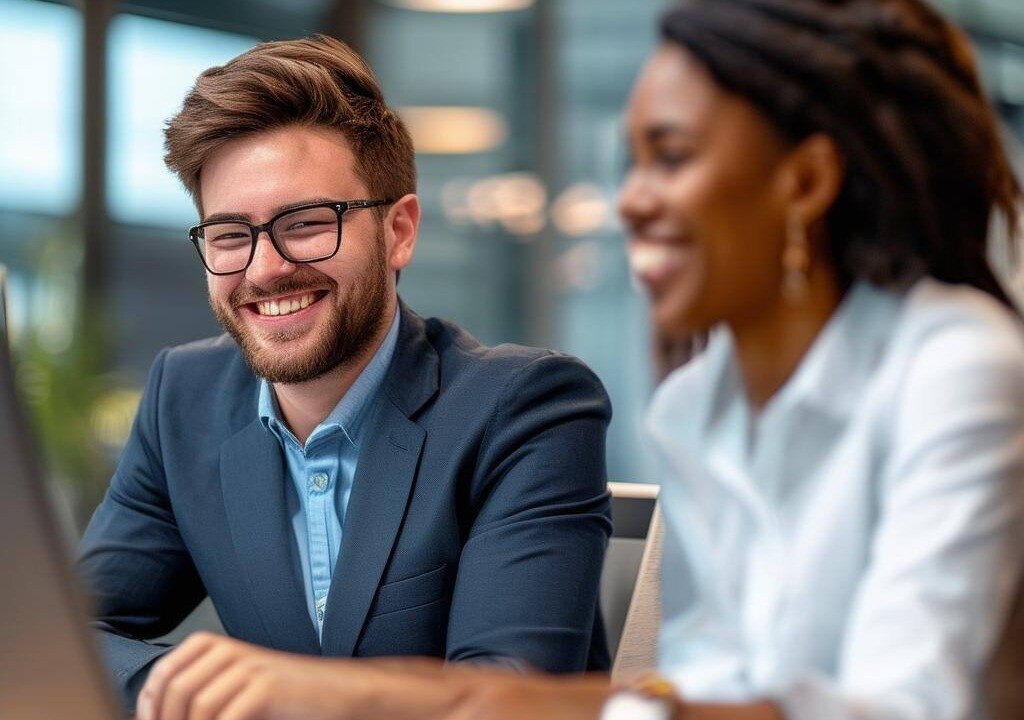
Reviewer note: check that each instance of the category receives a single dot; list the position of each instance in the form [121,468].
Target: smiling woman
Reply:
[813,184]
[706,201]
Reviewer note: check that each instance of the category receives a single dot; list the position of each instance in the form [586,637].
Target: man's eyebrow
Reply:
[247,218]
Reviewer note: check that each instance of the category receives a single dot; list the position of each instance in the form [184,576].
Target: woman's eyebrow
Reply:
[661,130]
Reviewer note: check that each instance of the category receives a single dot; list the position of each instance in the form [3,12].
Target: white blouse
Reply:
[851,550]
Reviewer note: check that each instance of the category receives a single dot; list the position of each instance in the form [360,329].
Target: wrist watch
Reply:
[650,697]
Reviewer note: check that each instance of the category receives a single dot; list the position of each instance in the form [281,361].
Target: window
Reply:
[152,65]
[40,107]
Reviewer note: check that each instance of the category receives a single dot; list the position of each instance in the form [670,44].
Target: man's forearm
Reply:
[423,689]
[749,711]
[221,677]
[406,688]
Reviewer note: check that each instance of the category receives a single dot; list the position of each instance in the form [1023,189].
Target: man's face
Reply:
[297,322]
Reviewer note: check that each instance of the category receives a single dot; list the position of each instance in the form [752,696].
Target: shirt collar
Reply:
[831,377]
[349,414]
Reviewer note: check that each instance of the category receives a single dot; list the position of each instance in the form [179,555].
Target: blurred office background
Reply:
[515,107]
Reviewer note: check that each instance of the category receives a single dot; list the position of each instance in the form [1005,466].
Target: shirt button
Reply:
[318,481]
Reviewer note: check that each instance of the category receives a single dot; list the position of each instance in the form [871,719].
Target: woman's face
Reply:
[703,203]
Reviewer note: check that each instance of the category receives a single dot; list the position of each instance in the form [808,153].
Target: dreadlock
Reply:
[895,85]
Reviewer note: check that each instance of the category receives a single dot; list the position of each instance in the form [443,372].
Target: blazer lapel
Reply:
[380,494]
[253,481]
[382,486]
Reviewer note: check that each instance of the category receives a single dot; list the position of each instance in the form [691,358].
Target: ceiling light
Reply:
[454,130]
[462,6]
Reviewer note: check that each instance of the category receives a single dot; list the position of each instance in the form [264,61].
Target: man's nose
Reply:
[267,263]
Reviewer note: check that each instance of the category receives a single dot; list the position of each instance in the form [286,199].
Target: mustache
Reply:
[247,293]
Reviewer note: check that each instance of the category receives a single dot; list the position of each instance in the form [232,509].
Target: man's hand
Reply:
[210,677]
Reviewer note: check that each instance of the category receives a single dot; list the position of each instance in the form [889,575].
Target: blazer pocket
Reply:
[411,592]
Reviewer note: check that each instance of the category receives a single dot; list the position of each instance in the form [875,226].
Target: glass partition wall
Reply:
[515,107]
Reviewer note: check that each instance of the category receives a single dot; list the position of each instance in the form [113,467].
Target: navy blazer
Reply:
[476,527]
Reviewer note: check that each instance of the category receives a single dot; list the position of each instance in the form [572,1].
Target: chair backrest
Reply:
[638,645]
[632,508]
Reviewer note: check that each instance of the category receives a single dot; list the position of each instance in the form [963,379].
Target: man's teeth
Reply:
[284,307]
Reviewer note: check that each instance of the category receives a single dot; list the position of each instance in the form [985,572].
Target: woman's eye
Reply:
[671,159]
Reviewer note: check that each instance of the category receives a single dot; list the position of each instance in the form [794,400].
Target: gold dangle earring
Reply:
[796,261]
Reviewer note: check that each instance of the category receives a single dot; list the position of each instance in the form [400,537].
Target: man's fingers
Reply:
[252,703]
[151,697]
[183,687]
[209,702]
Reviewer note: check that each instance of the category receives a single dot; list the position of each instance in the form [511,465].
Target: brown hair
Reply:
[319,81]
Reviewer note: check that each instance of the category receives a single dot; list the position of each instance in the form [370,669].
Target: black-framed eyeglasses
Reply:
[304,234]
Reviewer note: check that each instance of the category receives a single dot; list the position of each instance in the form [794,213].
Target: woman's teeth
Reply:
[648,258]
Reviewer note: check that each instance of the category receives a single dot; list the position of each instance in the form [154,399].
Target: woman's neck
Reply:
[771,344]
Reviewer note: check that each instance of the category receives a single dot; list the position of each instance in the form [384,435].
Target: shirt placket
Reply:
[319,482]
[768,558]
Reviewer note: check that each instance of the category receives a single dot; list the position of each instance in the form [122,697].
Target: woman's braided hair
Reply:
[895,85]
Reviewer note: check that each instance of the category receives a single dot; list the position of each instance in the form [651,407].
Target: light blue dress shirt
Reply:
[322,471]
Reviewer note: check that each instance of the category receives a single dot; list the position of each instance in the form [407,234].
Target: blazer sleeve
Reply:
[132,558]
[530,569]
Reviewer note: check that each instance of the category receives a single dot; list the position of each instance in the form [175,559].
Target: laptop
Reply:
[50,668]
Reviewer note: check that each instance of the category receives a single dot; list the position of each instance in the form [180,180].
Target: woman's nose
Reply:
[636,201]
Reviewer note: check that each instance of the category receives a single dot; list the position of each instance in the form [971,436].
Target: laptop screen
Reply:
[4,333]
[49,666]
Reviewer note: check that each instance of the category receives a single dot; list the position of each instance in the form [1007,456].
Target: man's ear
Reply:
[811,177]
[401,226]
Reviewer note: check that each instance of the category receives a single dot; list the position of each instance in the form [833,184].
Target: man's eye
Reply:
[305,225]
[228,236]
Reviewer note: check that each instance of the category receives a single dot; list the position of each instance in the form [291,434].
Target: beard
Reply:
[353,321]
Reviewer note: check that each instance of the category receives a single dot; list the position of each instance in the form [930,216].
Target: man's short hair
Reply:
[313,82]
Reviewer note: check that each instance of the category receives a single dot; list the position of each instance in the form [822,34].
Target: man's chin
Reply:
[286,368]
[290,341]
[283,355]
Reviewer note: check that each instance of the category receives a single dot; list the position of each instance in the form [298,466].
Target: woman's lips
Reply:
[654,262]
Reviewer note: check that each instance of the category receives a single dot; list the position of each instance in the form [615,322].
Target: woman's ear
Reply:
[811,178]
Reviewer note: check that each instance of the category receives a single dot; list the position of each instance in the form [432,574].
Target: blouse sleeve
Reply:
[946,555]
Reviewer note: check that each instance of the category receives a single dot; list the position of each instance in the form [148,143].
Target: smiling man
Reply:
[341,476]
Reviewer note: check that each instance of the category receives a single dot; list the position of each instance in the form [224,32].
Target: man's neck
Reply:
[305,405]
